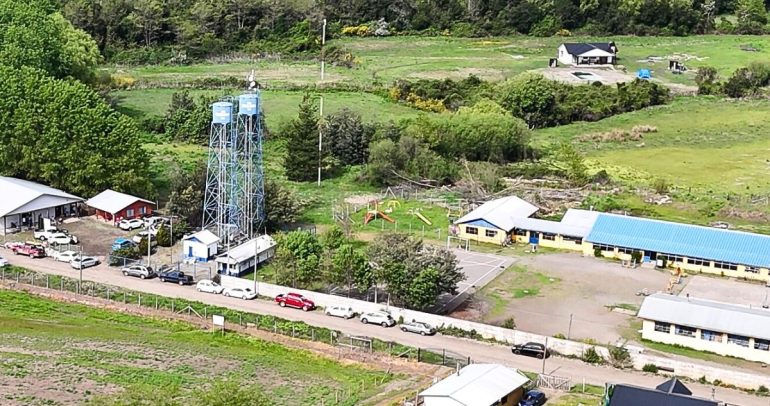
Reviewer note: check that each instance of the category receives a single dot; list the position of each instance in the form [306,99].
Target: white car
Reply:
[142,235]
[3,262]
[132,224]
[381,318]
[155,221]
[66,256]
[84,262]
[245,294]
[340,311]
[62,239]
[209,286]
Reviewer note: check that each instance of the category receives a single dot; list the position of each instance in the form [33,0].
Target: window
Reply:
[472,230]
[763,345]
[685,331]
[698,261]
[624,250]
[490,233]
[662,327]
[130,213]
[752,269]
[738,340]
[726,265]
[548,236]
[576,240]
[142,210]
[520,232]
[604,247]
[670,258]
[709,335]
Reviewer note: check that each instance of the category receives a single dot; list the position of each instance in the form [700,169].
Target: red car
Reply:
[32,251]
[295,300]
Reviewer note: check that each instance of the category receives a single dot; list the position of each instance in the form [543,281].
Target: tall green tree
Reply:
[350,267]
[302,142]
[529,96]
[282,206]
[186,194]
[347,137]
[298,257]
[751,15]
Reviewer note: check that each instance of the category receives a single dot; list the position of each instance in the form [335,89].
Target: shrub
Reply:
[619,357]
[636,257]
[702,380]
[560,336]
[591,356]
[597,252]
[661,186]
[509,323]
[650,368]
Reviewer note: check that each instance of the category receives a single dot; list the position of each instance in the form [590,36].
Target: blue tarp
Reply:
[644,74]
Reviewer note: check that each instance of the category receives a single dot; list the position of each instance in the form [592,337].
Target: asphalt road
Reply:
[478,351]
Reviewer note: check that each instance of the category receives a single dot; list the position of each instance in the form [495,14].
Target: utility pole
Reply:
[256,249]
[171,237]
[321,107]
[149,244]
[81,266]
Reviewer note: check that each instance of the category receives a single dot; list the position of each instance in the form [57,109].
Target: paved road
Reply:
[478,351]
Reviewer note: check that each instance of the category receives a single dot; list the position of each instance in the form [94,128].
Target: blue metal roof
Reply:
[482,223]
[681,239]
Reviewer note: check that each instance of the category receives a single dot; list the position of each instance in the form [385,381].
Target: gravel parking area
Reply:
[752,294]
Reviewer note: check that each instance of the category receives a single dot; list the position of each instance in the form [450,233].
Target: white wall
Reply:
[564,347]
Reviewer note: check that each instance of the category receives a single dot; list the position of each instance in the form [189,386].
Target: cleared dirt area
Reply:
[566,294]
[744,293]
[607,76]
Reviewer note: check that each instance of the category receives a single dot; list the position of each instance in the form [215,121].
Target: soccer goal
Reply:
[458,242]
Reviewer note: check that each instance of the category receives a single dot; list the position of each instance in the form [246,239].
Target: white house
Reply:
[478,385]
[705,325]
[245,257]
[200,246]
[593,53]
[25,204]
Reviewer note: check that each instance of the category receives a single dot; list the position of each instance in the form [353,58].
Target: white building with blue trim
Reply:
[200,246]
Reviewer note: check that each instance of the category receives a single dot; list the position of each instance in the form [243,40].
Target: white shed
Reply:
[478,385]
[245,257]
[200,246]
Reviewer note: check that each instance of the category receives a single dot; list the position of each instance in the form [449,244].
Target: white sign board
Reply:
[218,320]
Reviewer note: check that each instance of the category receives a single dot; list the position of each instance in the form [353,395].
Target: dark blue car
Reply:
[533,398]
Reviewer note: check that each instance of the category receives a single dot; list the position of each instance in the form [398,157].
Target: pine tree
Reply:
[302,135]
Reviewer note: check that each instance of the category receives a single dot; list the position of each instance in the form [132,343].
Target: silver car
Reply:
[139,271]
[418,327]
[84,262]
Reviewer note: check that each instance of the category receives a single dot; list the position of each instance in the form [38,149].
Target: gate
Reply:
[553,382]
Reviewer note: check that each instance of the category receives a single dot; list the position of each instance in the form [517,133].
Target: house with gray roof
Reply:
[706,325]
[25,204]
[587,53]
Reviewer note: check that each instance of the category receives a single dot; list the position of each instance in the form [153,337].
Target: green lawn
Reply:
[514,283]
[75,351]
[279,106]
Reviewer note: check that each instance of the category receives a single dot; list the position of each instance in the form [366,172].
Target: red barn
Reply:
[114,206]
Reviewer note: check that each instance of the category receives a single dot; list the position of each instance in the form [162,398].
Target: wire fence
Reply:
[348,345]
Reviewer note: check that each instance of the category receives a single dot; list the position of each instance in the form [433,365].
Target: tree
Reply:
[147,17]
[751,15]
[302,137]
[87,148]
[529,96]
[568,162]
[79,52]
[186,194]
[298,256]
[282,205]
[188,119]
[333,238]
[415,275]
[351,268]
[347,137]
[164,236]
[707,80]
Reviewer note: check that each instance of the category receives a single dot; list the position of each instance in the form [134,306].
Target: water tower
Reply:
[234,196]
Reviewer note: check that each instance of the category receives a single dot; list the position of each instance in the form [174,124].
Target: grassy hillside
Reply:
[56,353]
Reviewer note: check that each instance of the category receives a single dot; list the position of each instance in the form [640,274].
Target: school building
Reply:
[705,325]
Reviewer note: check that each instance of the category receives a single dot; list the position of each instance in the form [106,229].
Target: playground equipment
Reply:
[423,218]
[373,214]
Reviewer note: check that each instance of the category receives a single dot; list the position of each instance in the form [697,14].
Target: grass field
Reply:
[279,106]
[515,283]
[56,353]
[382,60]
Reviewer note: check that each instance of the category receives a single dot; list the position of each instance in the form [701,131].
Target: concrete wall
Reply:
[721,347]
[481,236]
[762,274]
[564,347]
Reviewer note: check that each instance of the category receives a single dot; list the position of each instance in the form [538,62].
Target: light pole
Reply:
[171,238]
[149,245]
[321,108]
[256,249]
[80,267]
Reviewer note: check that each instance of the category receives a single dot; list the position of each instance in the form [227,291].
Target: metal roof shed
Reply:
[500,213]
[707,314]
[475,385]
[681,239]
[24,203]
[241,259]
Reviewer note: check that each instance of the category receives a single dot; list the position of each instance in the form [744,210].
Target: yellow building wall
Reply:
[719,347]
[558,242]
[498,239]
[762,275]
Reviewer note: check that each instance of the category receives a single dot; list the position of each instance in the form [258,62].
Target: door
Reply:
[649,256]
[190,251]
[534,238]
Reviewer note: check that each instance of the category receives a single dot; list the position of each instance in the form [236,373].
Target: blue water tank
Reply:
[248,104]
[222,113]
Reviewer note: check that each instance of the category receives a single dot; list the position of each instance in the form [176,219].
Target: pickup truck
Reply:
[175,277]
[32,251]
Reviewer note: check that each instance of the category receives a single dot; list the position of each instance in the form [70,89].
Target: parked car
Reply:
[154,221]
[381,318]
[209,286]
[42,234]
[295,300]
[139,271]
[242,293]
[340,311]
[142,235]
[62,238]
[132,224]
[533,398]
[121,243]
[170,275]
[30,250]
[418,327]
[66,256]
[531,349]
[84,262]
[3,262]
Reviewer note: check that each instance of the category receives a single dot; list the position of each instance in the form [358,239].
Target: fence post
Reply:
[205,311]
[33,279]
[77,288]
[443,356]
[3,269]
[292,331]
[173,303]
[124,297]
[17,276]
[312,334]
[109,295]
[418,355]
[240,318]
[61,284]
[47,281]
[140,300]
[156,303]
[275,326]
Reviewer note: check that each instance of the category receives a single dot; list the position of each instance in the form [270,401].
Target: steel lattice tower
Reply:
[234,195]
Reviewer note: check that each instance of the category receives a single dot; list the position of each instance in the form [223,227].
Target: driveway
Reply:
[478,351]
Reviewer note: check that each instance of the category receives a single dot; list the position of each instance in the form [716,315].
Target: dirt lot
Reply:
[606,75]
[545,291]
[726,290]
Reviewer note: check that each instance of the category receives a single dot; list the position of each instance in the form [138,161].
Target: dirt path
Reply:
[478,351]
